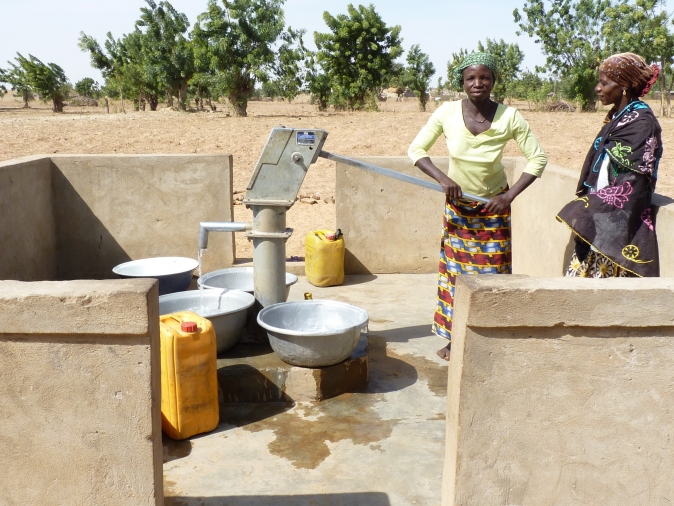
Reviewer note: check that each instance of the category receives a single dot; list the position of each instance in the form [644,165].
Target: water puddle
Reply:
[302,434]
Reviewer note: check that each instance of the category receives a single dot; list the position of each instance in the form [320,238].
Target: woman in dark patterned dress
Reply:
[612,218]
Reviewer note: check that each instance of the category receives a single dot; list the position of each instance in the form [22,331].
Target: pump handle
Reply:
[395,175]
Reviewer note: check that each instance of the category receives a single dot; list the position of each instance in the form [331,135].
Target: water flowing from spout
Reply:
[199,255]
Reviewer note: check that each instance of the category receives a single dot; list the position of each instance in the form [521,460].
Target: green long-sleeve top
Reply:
[475,160]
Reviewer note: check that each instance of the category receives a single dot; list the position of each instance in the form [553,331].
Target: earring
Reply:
[625,92]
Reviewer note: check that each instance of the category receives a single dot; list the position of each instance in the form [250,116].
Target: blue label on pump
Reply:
[306,138]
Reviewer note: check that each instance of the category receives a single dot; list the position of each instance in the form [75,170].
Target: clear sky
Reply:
[50,29]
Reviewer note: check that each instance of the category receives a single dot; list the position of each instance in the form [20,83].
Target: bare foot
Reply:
[444,352]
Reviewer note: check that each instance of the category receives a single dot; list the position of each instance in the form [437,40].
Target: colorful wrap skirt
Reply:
[473,242]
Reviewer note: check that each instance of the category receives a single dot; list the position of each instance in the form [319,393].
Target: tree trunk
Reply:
[169,98]
[669,92]
[182,96]
[153,100]
[239,103]
[200,99]
[663,89]
[107,106]
[142,103]
[121,94]
[58,104]
[211,105]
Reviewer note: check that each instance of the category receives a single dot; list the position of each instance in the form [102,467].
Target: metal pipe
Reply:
[269,236]
[395,175]
[213,226]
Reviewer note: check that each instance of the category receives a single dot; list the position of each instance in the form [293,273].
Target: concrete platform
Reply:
[381,447]
[249,373]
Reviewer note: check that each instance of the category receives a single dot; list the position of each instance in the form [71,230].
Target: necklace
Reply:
[477,120]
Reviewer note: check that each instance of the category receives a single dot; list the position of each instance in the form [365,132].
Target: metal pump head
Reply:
[282,166]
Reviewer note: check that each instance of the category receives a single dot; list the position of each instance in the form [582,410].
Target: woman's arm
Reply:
[537,161]
[500,203]
[452,190]
[418,151]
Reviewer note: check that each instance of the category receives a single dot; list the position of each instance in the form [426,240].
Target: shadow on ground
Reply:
[405,334]
[355,499]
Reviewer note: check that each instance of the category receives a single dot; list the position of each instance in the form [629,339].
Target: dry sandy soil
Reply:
[564,136]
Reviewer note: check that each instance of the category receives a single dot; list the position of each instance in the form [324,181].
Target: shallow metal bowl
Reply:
[237,278]
[226,309]
[174,273]
[313,333]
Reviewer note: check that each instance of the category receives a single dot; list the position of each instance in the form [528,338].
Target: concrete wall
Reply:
[80,393]
[560,392]
[27,229]
[542,246]
[388,226]
[111,209]
[395,227]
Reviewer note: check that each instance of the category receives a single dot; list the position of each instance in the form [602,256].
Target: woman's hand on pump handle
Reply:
[498,204]
[452,190]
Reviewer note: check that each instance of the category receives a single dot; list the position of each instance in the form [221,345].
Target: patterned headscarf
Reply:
[630,70]
[474,59]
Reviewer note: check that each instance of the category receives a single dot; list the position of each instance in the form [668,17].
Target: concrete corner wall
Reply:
[394,227]
[560,392]
[112,209]
[27,228]
[80,393]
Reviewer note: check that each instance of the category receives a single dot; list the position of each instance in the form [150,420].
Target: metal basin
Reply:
[227,311]
[313,333]
[237,278]
[174,273]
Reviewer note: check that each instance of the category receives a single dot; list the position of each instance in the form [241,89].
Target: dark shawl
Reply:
[618,220]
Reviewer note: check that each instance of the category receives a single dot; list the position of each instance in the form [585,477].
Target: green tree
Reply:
[643,24]
[508,57]
[46,79]
[418,74]
[238,41]
[87,87]
[571,36]
[357,55]
[155,59]
[532,88]
[113,63]
[317,83]
[290,69]
[17,78]
[452,65]
[167,54]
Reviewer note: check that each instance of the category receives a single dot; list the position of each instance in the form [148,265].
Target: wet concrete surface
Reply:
[382,446]
[254,373]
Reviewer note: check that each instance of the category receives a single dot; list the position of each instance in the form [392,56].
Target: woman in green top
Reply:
[476,238]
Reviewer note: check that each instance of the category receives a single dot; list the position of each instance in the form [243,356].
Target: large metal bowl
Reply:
[227,311]
[174,273]
[313,333]
[237,278]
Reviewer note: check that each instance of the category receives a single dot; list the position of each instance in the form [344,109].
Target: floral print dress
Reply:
[614,225]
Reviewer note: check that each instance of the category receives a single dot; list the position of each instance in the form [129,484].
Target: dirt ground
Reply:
[565,137]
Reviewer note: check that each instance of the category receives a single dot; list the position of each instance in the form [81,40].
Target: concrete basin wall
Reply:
[560,392]
[77,216]
[27,226]
[80,393]
[395,227]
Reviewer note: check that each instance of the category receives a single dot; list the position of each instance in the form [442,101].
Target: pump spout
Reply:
[213,226]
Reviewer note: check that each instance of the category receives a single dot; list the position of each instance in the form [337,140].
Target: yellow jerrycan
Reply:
[189,382]
[324,257]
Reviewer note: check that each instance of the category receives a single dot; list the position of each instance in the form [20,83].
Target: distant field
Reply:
[565,137]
